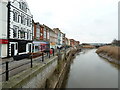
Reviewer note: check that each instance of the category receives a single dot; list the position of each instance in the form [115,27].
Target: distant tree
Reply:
[116,42]
[85,44]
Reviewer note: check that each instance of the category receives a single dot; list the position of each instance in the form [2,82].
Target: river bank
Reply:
[111,53]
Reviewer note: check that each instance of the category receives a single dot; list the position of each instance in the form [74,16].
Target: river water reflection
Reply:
[88,70]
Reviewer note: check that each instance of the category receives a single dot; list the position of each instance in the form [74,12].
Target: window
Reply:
[22,34]
[15,31]
[19,18]
[16,15]
[48,35]
[23,6]
[44,33]
[36,48]
[21,46]
[29,47]
[38,32]
[28,21]
[23,21]
[20,5]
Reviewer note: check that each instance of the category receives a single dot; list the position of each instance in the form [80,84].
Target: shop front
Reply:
[53,45]
[19,47]
[40,46]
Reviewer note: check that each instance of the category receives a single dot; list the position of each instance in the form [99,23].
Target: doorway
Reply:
[29,49]
[12,49]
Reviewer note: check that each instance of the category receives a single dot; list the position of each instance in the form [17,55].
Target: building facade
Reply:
[39,43]
[53,39]
[19,28]
[77,43]
[3,29]
[63,40]
[59,36]
[46,33]
[72,42]
[66,41]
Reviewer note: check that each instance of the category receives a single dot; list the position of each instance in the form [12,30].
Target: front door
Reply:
[29,47]
[12,50]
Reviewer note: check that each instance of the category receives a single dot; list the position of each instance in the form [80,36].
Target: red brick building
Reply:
[72,42]
[41,32]
[40,43]
[46,36]
[77,43]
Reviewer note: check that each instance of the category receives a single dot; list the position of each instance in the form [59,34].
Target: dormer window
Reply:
[20,5]
[23,6]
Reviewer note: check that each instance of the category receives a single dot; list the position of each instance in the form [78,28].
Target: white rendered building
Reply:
[17,29]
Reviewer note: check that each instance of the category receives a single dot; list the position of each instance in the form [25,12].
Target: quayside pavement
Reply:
[15,67]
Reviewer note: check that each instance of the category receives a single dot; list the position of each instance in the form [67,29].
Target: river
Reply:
[88,70]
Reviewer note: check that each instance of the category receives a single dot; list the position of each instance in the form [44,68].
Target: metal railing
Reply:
[7,70]
[41,58]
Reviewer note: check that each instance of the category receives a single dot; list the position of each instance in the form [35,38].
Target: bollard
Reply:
[31,62]
[42,57]
[7,71]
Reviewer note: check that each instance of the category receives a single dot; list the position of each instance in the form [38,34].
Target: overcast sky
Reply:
[83,20]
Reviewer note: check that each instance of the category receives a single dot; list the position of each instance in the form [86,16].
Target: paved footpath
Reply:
[16,67]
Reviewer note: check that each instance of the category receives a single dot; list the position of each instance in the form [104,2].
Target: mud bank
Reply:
[112,60]
[111,53]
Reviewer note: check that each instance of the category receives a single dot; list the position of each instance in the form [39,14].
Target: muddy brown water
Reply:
[88,70]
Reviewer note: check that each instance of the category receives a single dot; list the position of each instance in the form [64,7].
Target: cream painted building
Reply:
[3,28]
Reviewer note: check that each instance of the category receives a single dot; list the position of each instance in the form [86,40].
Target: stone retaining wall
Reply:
[37,76]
